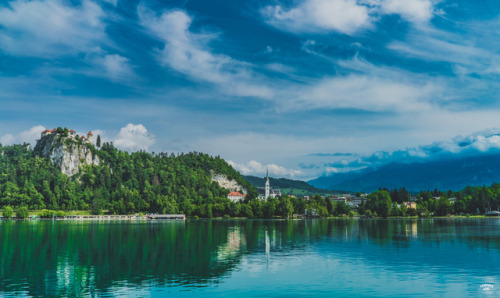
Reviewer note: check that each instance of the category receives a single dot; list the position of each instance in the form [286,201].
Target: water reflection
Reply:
[77,258]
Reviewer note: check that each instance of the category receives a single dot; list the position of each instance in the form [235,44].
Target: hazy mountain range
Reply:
[453,173]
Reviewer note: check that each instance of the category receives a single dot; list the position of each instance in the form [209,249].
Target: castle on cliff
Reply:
[72,134]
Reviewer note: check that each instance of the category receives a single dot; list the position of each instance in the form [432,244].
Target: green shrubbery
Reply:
[7,212]
[51,213]
[22,212]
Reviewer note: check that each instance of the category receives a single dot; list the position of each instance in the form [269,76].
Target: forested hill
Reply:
[290,187]
[122,183]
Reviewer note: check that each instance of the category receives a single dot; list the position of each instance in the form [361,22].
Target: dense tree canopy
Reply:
[126,183]
[123,183]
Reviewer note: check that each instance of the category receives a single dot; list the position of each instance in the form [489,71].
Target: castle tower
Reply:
[268,185]
[90,137]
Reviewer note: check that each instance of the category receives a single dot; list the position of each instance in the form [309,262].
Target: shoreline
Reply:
[182,217]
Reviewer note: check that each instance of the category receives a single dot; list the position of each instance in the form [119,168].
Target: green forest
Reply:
[471,200]
[129,183]
[124,183]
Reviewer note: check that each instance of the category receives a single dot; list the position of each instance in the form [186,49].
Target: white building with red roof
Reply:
[90,137]
[48,132]
[236,196]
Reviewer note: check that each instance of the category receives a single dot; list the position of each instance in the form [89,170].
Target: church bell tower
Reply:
[268,185]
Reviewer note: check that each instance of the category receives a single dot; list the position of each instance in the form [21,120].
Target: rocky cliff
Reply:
[227,183]
[66,153]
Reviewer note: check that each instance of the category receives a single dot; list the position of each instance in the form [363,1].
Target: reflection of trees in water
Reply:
[70,258]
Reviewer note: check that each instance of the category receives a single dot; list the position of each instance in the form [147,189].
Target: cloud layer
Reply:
[257,82]
[46,28]
[256,168]
[28,136]
[188,53]
[486,142]
[344,16]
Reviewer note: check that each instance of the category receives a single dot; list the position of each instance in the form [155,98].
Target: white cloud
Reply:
[28,136]
[365,92]
[134,137]
[369,87]
[184,51]
[189,53]
[256,168]
[114,67]
[47,28]
[345,16]
[467,55]
[7,139]
[416,11]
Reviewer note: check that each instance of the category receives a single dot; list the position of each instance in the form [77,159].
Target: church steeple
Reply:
[268,185]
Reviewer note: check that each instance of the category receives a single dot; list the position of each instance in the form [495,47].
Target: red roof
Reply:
[90,133]
[235,193]
[71,131]
[82,137]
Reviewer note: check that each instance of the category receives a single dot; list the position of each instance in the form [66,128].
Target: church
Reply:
[267,191]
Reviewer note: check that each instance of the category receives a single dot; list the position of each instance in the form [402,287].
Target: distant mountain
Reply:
[454,174]
[290,187]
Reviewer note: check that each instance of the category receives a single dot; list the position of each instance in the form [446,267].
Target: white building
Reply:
[236,196]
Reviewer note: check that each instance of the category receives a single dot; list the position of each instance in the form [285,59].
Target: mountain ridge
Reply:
[450,174]
[290,186]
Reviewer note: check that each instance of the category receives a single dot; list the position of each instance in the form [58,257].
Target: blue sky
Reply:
[304,88]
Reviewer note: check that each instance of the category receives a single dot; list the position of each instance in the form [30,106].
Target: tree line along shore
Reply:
[141,182]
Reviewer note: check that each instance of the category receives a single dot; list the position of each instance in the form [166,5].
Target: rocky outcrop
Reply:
[66,153]
[227,183]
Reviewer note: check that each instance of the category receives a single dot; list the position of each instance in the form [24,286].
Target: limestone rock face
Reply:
[67,154]
[225,182]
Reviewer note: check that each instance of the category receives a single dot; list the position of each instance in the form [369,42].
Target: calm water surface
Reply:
[251,258]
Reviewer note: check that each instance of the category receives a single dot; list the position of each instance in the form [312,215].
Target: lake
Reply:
[251,258]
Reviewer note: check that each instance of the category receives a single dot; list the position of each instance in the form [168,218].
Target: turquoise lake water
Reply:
[251,258]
